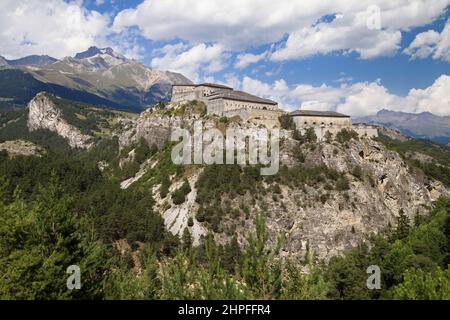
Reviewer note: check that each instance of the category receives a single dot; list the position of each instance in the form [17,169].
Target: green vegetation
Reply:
[18,87]
[414,261]
[345,135]
[179,196]
[437,168]
[61,209]
[287,122]
[188,108]
[140,152]
[88,118]
[309,136]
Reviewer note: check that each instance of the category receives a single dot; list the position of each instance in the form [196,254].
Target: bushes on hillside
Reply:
[345,135]
[179,196]
[287,122]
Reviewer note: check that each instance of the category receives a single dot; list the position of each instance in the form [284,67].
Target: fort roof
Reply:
[184,85]
[206,84]
[311,113]
[213,85]
[240,96]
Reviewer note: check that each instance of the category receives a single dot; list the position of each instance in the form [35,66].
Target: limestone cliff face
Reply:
[44,114]
[316,219]
[156,126]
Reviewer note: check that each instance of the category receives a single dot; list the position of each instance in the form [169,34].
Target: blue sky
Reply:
[353,56]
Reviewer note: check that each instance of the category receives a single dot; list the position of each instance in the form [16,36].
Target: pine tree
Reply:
[186,239]
[260,269]
[403,225]
[39,241]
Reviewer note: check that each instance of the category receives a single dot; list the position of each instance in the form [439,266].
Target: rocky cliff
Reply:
[44,114]
[352,189]
[327,197]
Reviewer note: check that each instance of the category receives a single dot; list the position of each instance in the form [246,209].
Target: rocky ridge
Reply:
[316,219]
[44,114]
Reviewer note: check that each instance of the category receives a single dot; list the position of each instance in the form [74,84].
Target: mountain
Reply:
[104,182]
[93,51]
[3,62]
[18,87]
[423,125]
[103,73]
[33,60]
[319,195]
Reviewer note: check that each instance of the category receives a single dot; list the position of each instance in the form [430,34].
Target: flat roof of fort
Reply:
[240,96]
[312,113]
[206,84]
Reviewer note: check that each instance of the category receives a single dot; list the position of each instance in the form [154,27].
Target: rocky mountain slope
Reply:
[326,198]
[43,114]
[424,125]
[115,80]
[79,124]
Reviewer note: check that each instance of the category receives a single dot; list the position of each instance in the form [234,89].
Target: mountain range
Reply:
[99,76]
[423,125]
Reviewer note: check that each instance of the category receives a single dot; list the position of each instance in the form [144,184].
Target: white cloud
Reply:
[51,27]
[239,25]
[358,99]
[369,98]
[191,61]
[434,99]
[431,43]
[342,34]
[246,59]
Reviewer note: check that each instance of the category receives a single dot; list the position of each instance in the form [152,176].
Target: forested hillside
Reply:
[242,237]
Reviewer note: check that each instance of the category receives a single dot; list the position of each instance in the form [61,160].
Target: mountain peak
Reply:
[385,111]
[93,51]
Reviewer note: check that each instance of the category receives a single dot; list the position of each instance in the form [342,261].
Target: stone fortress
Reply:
[333,122]
[225,102]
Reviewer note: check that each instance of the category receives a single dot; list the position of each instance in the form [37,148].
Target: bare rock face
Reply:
[342,219]
[44,114]
[156,126]
[319,219]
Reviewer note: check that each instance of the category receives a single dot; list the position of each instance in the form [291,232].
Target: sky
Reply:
[350,56]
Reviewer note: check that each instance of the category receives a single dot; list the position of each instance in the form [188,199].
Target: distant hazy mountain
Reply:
[3,62]
[33,60]
[101,72]
[423,125]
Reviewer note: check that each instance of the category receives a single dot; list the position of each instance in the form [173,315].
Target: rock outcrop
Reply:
[44,114]
[319,219]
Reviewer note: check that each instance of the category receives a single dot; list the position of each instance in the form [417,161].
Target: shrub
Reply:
[179,196]
[345,135]
[357,172]
[342,184]
[287,122]
[328,137]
